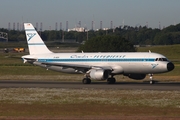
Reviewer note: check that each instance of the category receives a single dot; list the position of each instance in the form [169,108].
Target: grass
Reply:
[36,102]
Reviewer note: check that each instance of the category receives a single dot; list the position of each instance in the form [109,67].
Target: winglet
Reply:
[35,43]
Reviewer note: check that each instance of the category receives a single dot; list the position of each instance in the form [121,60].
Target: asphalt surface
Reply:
[94,85]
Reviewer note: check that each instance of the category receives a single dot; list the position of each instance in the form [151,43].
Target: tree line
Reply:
[107,43]
[140,35]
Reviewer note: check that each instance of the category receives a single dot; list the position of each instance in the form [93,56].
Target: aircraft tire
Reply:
[152,82]
[86,81]
[111,80]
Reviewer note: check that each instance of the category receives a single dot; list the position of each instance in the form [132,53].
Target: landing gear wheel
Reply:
[111,80]
[152,82]
[86,81]
[151,79]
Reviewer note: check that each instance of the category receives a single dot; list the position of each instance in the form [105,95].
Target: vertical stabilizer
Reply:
[35,43]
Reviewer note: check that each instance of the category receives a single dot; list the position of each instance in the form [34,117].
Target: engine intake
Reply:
[99,74]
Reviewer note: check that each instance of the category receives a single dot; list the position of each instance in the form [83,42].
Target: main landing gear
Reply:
[110,80]
[86,81]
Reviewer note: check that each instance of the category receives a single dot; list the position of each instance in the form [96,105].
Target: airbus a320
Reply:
[97,66]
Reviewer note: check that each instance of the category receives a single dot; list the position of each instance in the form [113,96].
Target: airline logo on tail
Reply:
[30,35]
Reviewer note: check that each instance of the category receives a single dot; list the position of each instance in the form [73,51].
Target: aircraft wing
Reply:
[77,66]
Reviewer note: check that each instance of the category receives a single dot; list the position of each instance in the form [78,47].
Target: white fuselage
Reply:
[125,62]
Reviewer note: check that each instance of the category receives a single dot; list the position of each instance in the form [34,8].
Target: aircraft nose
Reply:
[170,66]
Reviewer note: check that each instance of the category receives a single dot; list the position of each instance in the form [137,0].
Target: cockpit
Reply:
[161,59]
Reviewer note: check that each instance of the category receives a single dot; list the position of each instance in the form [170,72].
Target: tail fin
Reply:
[35,43]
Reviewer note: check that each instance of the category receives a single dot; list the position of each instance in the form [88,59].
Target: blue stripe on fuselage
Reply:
[99,60]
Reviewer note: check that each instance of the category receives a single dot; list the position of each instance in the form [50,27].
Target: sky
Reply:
[121,12]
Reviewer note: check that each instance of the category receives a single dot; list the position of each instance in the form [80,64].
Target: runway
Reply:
[94,85]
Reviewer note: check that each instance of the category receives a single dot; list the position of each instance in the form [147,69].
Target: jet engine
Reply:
[99,74]
[136,76]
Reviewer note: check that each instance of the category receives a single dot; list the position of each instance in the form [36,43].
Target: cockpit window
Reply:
[161,59]
[164,59]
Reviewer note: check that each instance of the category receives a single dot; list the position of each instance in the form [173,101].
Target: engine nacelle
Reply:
[99,74]
[136,76]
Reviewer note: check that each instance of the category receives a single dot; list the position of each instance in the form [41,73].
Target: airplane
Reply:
[97,66]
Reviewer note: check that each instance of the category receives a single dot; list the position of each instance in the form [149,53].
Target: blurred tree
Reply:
[107,43]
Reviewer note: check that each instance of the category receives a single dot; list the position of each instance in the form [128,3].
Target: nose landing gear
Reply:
[151,79]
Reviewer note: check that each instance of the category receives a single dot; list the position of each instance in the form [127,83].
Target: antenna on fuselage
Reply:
[149,51]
